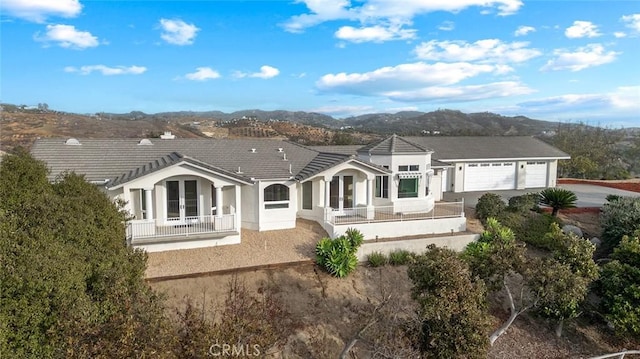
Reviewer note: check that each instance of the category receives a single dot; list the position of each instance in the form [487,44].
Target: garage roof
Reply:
[480,148]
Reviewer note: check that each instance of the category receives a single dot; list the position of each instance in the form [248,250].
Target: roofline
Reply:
[190,161]
[502,159]
[380,170]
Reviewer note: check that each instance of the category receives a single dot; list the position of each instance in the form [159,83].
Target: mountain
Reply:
[448,122]
[21,125]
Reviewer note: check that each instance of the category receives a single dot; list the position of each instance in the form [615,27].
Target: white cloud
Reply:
[619,34]
[632,21]
[375,33]
[378,12]
[106,70]
[584,57]
[40,10]
[485,51]
[68,37]
[447,26]
[581,29]
[342,111]
[402,77]
[178,32]
[524,30]
[461,93]
[266,72]
[401,109]
[203,74]
[622,102]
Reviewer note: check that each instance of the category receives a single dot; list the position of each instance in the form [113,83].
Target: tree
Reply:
[452,307]
[494,258]
[619,287]
[561,283]
[557,199]
[594,152]
[619,218]
[69,285]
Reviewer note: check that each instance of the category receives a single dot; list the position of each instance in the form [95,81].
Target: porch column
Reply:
[370,188]
[327,192]
[148,202]
[218,202]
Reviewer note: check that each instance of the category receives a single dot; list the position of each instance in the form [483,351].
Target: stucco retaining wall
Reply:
[456,242]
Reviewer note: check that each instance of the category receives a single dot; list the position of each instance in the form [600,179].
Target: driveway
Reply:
[588,195]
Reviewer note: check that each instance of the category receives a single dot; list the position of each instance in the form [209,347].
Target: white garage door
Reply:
[489,176]
[536,174]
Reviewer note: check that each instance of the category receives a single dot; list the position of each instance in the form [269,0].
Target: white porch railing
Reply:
[393,213]
[149,229]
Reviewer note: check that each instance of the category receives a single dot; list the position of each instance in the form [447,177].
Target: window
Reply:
[408,188]
[382,187]
[405,168]
[307,195]
[278,194]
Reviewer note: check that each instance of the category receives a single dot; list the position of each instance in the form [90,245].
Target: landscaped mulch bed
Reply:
[632,185]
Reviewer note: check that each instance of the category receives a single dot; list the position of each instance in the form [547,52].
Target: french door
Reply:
[182,200]
[341,194]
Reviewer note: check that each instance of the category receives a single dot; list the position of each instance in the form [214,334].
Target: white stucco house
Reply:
[192,193]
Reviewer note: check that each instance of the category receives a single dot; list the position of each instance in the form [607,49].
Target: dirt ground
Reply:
[325,312]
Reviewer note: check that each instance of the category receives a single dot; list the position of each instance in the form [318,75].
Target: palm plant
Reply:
[557,199]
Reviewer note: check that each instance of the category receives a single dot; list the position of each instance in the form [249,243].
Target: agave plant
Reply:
[557,199]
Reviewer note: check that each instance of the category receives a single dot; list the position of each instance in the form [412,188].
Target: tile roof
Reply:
[393,144]
[166,161]
[326,160]
[448,148]
[106,159]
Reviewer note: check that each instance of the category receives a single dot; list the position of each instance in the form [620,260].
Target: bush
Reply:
[533,229]
[524,203]
[489,205]
[400,257]
[376,259]
[619,289]
[338,256]
[619,218]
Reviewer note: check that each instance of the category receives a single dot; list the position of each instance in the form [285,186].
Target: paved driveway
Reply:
[588,195]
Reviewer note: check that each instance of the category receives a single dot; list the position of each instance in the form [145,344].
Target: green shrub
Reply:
[338,256]
[400,257]
[533,229]
[524,203]
[618,287]
[619,218]
[489,205]
[376,259]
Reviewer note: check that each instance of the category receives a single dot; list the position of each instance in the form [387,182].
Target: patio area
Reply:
[256,249]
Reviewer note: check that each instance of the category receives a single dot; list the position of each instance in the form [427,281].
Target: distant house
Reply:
[191,193]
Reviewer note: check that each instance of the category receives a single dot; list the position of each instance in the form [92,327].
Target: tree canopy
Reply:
[452,306]
[69,285]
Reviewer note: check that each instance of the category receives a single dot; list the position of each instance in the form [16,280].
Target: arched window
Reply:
[278,195]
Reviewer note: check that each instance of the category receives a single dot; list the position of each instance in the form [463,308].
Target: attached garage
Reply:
[536,174]
[489,176]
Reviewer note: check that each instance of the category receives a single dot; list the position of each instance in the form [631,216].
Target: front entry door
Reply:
[182,200]
[341,193]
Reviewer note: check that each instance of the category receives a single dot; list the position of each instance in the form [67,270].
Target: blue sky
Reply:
[550,60]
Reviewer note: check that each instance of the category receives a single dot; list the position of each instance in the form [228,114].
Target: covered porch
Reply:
[182,206]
